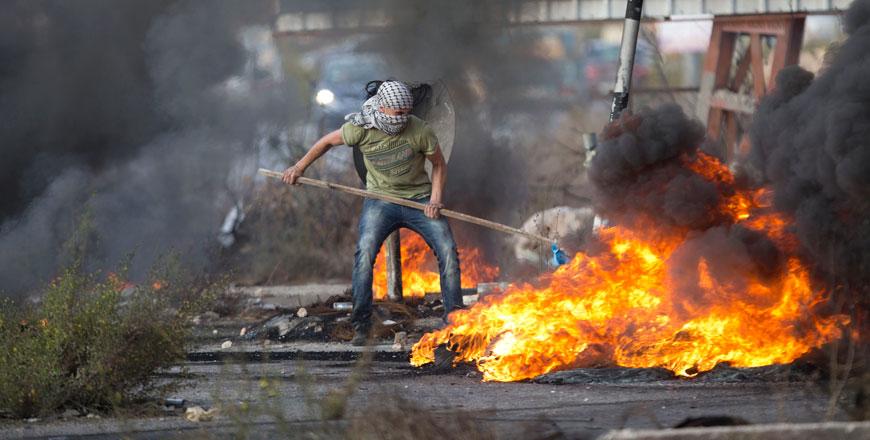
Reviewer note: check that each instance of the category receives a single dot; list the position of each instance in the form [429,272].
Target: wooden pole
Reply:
[410,204]
[393,256]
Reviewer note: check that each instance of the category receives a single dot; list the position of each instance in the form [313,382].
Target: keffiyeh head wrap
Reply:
[391,94]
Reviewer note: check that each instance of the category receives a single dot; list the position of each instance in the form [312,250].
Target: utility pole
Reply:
[626,57]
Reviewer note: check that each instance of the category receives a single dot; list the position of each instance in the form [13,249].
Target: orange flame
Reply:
[420,269]
[117,283]
[630,306]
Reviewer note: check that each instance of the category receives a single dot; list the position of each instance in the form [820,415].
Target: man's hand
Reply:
[433,210]
[292,173]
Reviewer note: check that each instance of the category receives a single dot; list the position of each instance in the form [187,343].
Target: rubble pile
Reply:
[329,321]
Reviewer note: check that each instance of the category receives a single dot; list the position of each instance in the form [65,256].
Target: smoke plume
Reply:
[123,110]
[811,141]
[637,171]
[644,178]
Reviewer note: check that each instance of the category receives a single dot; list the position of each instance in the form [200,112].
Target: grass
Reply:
[93,341]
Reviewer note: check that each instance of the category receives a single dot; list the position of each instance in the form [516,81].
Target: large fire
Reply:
[420,269]
[632,306]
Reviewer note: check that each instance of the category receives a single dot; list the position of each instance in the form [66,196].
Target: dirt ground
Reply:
[294,389]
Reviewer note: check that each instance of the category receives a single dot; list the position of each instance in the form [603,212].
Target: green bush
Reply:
[93,342]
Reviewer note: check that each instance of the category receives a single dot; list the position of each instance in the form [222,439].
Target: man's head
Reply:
[388,109]
[395,102]
[395,98]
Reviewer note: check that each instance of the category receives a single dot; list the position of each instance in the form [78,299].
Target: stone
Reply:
[400,341]
[198,414]
[226,345]
[302,312]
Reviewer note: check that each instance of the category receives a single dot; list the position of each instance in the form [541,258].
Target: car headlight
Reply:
[324,97]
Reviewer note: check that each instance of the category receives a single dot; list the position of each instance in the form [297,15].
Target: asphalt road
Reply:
[285,398]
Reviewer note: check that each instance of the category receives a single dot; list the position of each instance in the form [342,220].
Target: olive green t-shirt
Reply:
[395,163]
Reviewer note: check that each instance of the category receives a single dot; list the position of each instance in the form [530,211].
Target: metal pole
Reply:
[393,255]
[626,57]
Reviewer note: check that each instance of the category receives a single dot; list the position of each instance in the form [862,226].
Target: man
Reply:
[394,144]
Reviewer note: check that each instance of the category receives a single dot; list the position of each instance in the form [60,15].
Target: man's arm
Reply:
[439,176]
[320,147]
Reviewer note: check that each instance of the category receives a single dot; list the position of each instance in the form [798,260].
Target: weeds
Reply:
[94,341]
[296,234]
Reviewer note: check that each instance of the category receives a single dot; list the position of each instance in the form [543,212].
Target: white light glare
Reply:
[324,97]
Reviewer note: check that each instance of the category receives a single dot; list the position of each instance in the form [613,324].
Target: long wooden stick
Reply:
[410,204]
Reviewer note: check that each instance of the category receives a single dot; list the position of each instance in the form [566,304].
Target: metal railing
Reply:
[303,16]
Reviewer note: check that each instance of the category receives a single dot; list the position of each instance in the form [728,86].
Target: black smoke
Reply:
[121,110]
[642,181]
[811,142]
[637,171]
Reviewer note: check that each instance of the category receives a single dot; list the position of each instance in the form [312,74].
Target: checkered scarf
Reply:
[391,94]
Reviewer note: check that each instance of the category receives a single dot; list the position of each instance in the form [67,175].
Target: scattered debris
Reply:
[176,402]
[444,357]
[605,375]
[692,422]
[198,414]
[329,320]
[794,372]
[342,306]
[226,345]
[289,327]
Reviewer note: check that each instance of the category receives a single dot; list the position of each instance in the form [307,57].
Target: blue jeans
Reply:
[377,221]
